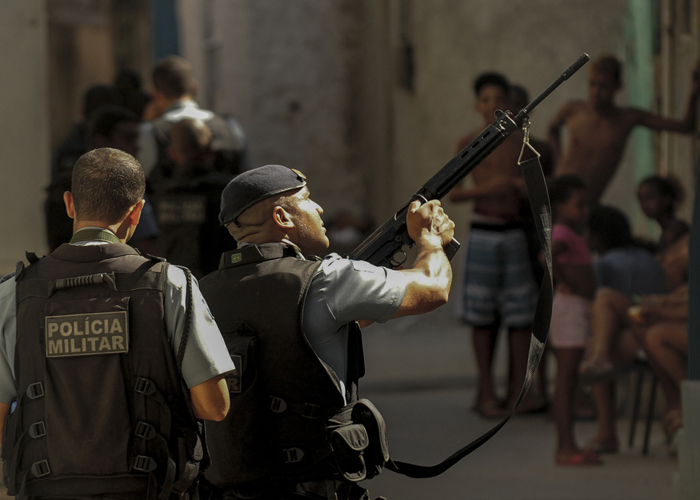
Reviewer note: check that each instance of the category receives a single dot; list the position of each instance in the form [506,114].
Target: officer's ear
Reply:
[134,214]
[282,218]
[70,205]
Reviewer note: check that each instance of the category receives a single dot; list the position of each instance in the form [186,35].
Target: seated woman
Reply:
[660,324]
[624,270]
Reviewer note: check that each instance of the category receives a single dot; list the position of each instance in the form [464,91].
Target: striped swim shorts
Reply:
[498,280]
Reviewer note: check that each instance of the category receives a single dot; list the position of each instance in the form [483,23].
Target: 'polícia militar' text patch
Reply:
[86,334]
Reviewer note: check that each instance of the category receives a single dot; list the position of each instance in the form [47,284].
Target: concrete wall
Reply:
[24,137]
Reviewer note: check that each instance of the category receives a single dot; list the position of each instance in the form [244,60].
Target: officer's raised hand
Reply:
[427,221]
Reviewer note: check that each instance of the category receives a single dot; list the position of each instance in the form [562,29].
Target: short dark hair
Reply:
[563,186]
[172,77]
[106,118]
[667,186]
[106,182]
[611,226]
[608,64]
[491,79]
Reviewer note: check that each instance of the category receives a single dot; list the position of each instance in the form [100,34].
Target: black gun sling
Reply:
[541,211]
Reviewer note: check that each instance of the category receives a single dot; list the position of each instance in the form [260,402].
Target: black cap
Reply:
[255,185]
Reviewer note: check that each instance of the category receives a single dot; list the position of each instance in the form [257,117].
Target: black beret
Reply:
[255,185]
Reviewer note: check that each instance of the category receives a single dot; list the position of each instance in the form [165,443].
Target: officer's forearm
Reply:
[429,279]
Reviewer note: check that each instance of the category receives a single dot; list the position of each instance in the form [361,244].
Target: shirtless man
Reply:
[498,281]
[598,128]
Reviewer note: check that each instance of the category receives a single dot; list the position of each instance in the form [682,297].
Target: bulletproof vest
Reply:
[282,394]
[227,143]
[101,407]
[187,209]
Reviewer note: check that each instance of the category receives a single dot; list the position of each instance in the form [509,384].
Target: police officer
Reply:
[291,322]
[98,346]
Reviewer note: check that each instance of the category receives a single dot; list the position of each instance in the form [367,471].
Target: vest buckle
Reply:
[40,469]
[142,463]
[292,455]
[35,390]
[145,430]
[311,411]
[37,430]
[277,405]
[144,386]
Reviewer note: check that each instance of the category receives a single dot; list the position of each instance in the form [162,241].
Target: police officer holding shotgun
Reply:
[297,428]
[111,358]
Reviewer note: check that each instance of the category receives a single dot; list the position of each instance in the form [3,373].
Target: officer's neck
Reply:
[120,229]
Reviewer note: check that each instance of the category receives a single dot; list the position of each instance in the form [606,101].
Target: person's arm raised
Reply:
[688,124]
[430,278]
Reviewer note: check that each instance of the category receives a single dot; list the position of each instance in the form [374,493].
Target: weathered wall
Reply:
[24,133]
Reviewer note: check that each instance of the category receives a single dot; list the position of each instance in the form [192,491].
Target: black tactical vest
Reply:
[101,407]
[187,210]
[282,394]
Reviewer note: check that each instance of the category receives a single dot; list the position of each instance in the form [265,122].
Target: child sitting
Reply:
[570,328]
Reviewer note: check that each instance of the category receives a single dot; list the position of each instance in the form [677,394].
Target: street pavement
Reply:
[421,376]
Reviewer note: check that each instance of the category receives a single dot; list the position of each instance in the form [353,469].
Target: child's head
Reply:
[492,93]
[604,79]
[567,194]
[608,228]
[659,196]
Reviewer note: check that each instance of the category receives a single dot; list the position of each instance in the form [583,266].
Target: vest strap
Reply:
[145,430]
[250,254]
[40,468]
[142,463]
[306,410]
[37,430]
[119,282]
[35,390]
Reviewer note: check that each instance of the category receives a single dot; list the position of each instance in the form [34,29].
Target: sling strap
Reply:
[541,211]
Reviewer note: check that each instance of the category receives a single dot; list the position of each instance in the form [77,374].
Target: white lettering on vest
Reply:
[65,329]
[56,346]
[116,327]
[96,327]
[53,328]
[104,344]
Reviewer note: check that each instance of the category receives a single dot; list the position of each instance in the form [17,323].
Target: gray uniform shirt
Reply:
[205,357]
[342,291]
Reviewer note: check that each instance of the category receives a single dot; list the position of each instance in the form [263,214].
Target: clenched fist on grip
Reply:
[427,221]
